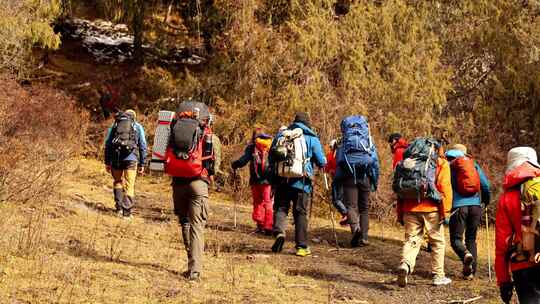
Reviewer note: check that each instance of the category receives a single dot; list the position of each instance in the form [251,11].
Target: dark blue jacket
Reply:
[246,158]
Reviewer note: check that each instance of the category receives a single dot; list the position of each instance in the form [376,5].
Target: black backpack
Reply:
[186,133]
[124,135]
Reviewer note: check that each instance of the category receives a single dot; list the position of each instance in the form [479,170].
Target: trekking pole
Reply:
[331,213]
[451,214]
[488,245]
[235,186]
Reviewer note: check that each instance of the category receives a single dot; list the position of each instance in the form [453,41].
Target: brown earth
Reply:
[75,250]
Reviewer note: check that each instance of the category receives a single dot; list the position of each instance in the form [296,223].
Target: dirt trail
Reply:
[105,259]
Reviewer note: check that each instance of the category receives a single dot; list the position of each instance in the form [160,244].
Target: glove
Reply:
[446,221]
[485,200]
[506,290]
[234,165]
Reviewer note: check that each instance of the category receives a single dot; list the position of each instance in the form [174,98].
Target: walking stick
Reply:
[488,245]
[235,186]
[331,213]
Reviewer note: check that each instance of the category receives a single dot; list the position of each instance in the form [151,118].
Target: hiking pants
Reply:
[414,232]
[300,202]
[465,220]
[191,206]
[527,284]
[262,206]
[124,186]
[356,198]
[337,197]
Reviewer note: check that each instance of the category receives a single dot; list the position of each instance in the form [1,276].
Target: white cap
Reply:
[517,156]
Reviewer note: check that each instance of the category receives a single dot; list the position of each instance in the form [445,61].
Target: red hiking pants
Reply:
[262,206]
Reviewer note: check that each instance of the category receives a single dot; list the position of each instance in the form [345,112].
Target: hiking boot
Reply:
[303,252]
[278,244]
[128,217]
[363,243]
[403,272]
[344,221]
[194,276]
[267,232]
[469,277]
[441,280]
[467,264]
[120,213]
[355,241]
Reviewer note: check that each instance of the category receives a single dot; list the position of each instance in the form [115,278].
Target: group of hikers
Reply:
[433,187]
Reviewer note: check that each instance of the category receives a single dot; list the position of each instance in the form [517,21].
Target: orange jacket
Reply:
[444,185]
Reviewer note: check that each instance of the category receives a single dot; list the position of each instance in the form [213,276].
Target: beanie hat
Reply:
[394,136]
[302,117]
[131,113]
[460,147]
[519,155]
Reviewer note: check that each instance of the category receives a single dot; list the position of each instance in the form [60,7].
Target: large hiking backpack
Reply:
[290,154]
[529,246]
[467,179]
[415,176]
[357,151]
[190,147]
[260,156]
[124,135]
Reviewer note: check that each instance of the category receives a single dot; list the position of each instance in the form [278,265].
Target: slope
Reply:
[74,250]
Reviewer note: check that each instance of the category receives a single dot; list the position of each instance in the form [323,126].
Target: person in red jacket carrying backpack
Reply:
[470,191]
[256,154]
[512,267]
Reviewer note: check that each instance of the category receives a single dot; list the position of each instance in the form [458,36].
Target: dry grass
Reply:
[74,250]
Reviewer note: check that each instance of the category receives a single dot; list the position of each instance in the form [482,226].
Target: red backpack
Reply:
[189,152]
[466,177]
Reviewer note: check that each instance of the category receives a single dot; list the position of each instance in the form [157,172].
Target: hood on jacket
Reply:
[519,174]
[400,144]
[519,155]
[306,129]
[454,153]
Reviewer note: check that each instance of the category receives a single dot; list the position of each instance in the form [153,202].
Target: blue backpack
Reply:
[357,152]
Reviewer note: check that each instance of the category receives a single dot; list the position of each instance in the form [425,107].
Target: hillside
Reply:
[75,250]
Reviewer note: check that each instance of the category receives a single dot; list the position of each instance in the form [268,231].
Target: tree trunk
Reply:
[138,30]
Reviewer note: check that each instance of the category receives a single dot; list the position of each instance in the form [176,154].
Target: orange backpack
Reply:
[466,177]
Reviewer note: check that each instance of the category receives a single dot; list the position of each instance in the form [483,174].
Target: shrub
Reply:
[40,128]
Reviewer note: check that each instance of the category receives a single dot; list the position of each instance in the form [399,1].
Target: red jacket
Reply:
[397,150]
[331,164]
[508,221]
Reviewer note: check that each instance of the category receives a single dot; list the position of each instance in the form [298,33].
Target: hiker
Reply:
[256,154]
[398,145]
[423,184]
[125,156]
[293,153]
[217,179]
[108,100]
[516,255]
[470,190]
[337,187]
[358,172]
[189,160]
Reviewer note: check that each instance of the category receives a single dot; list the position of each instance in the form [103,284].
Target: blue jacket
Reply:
[314,153]
[476,200]
[138,155]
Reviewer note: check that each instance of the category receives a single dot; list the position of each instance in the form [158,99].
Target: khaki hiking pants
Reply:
[191,207]
[124,187]
[415,222]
